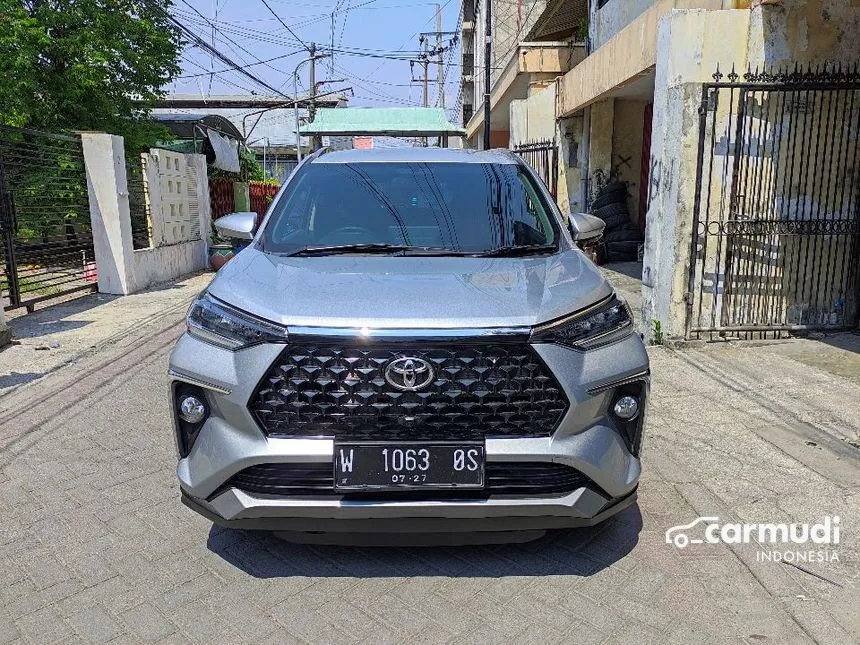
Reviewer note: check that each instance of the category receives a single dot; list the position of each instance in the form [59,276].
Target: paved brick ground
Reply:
[95,546]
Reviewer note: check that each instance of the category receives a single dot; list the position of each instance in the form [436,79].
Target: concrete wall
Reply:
[690,44]
[627,148]
[601,135]
[613,17]
[506,35]
[626,50]
[180,219]
[5,333]
[180,235]
[533,118]
[617,14]
[571,162]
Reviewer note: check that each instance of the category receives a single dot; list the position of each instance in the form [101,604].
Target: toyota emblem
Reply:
[409,374]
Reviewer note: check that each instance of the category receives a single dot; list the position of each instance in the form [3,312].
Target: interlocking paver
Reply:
[94,544]
[147,623]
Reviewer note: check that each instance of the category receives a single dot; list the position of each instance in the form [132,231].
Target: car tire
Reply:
[626,250]
[623,234]
[613,187]
[610,209]
[612,197]
[614,222]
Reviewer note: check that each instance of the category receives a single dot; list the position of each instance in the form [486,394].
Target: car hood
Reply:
[409,292]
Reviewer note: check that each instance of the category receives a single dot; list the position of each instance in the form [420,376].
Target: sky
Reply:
[248,32]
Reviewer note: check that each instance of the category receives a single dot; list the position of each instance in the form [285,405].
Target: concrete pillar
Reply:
[5,332]
[104,156]
[690,44]
[600,144]
[570,164]
[205,209]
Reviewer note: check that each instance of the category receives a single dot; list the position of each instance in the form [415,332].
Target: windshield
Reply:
[437,207]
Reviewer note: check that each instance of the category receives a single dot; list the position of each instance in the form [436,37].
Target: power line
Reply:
[226,38]
[232,69]
[224,80]
[269,37]
[202,44]
[447,2]
[286,26]
[358,80]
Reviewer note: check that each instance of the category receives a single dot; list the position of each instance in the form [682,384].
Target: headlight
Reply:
[603,324]
[220,324]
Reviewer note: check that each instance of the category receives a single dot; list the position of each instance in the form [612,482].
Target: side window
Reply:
[534,226]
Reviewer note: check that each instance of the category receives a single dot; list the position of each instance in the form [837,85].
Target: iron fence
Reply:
[44,218]
[543,157]
[776,228]
[138,203]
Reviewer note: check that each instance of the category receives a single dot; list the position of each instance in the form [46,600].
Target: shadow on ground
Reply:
[18,378]
[55,317]
[630,269]
[38,328]
[848,341]
[578,552]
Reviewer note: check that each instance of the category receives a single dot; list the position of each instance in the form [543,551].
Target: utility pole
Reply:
[312,107]
[488,52]
[439,50]
[425,62]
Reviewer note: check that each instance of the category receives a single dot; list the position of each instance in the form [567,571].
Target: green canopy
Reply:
[391,122]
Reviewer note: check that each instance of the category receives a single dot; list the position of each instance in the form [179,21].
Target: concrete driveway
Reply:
[96,547]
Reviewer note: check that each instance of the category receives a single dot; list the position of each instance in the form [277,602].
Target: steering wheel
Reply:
[351,231]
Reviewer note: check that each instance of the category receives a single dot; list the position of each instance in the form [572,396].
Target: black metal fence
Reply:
[138,203]
[776,227]
[44,218]
[543,157]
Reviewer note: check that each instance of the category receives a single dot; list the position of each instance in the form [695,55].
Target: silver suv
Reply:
[410,342]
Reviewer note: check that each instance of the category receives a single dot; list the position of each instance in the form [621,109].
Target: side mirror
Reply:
[585,227]
[239,226]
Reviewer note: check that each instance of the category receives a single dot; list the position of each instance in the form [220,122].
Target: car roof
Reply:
[421,155]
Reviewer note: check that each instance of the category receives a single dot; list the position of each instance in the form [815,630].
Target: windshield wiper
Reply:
[341,249]
[518,250]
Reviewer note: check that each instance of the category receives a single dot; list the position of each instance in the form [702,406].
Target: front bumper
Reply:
[231,440]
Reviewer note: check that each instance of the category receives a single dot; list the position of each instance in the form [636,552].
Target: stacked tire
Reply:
[622,236]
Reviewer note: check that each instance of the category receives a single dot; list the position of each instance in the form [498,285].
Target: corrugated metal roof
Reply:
[395,122]
[276,125]
[562,19]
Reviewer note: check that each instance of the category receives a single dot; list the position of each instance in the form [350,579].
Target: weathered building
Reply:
[733,125]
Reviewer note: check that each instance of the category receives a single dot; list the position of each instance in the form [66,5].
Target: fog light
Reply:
[626,408]
[193,410]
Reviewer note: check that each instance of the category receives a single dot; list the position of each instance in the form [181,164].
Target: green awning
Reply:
[391,122]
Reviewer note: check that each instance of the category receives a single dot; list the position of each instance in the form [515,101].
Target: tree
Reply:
[86,65]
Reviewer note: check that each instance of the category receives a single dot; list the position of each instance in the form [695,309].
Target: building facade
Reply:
[733,126]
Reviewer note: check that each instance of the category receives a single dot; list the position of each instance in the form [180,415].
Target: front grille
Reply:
[333,389]
[502,478]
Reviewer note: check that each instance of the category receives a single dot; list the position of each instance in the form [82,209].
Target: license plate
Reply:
[398,466]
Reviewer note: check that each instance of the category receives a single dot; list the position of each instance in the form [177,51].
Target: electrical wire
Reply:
[224,80]
[232,69]
[202,44]
[286,26]
[224,37]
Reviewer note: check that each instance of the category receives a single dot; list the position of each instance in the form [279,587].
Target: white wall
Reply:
[533,118]
[689,47]
[178,196]
[180,219]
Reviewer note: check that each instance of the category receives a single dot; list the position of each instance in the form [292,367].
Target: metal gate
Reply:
[44,218]
[776,227]
[543,157]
